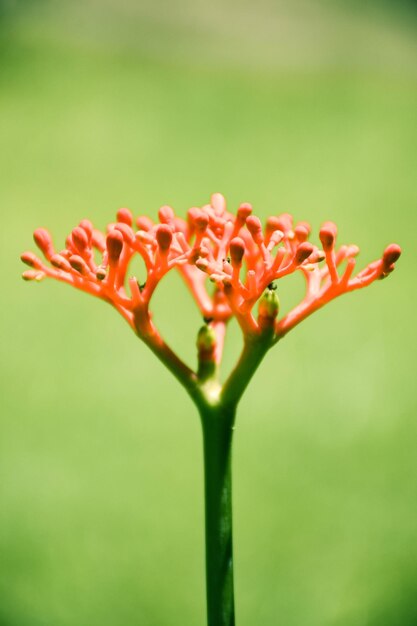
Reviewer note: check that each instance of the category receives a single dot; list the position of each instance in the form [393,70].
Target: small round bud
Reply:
[328,233]
[244,210]
[303,252]
[144,223]
[31,259]
[237,251]
[391,254]
[125,216]
[272,224]
[302,231]
[44,242]
[166,214]
[33,275]
[80,239]
[88,227]
[255,228]
[114,243]
[164,236]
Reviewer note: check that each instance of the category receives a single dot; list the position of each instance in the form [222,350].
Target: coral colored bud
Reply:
[206,339]
[87,226]
[144,223]
[114,243]
[78,264]
[60,262]
[164,236]
[33,275]
[244,210]
[31,259]
[237,251]
[255,228]
[166,214]
[391,254]
[268,306]
[127,232]
[302,232]
[44,242]
[201,222]
[327,235]
[303,252]
[272,224]
[125,216]
[285,222]
[218,203]
[80,238]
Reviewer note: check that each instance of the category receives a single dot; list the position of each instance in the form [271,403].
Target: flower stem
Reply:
[217,423]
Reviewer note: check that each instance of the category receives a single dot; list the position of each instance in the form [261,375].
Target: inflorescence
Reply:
[235,252]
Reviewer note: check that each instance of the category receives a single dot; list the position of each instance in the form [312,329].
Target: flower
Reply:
[235,252]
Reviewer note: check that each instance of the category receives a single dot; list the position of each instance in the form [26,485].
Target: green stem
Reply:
[217,423]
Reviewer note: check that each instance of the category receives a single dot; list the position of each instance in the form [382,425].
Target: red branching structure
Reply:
[243,260]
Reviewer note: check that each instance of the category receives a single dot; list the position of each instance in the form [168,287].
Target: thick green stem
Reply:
[217,423]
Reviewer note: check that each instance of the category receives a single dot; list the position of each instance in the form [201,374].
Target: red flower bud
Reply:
[31,259]
[78,264]
[237,251]
[88,227]
[80,239]
[391,254]
[255,228]
[44,242]
[114,243]
[144,223]
[244,210]
[125,216]
[164,236]
[303,252]
[166,214]
[328,233]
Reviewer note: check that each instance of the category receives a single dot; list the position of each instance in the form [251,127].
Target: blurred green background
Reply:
[307,107]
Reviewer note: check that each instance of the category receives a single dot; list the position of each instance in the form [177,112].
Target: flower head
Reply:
[233,251]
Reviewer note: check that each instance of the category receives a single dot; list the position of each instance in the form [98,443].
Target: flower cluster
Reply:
[241,258]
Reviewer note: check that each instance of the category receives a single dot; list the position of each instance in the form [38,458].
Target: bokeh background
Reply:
[305,106]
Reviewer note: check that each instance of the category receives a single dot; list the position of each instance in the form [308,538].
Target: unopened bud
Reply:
[244,210]
[206,339]
[78,264]
[60,262]
[166,214]
[80,239]
[391,254]
[285,222]
[268,308]
[255,228]
[101,272]
[327,235]
[218,203]
[44,242]
[31,259]
[302,231]
[114,243]
[303,251]
[164,237]
[125,216]
[237,251]
[33,275]
[272,224]
[87,226]
[127,232]
[144,223]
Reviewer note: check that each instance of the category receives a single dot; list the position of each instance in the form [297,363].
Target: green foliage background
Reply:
[307,107]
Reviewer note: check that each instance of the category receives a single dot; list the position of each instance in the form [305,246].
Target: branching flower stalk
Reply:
[243,261]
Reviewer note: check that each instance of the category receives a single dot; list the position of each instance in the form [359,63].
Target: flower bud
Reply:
[302,231]
[78,264]
[206,339]
[114,243]
[31,259]
[33,275]
[166,214]
[285,222]
[244,210]
[391,254]
[164,237]
[80,239]
[87,226]
[268,308]
[255,228]
[44,242]
[327,235]
[144,223]
[303,252]
[60,262]
[124,216]
[237,251]
[272,224]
